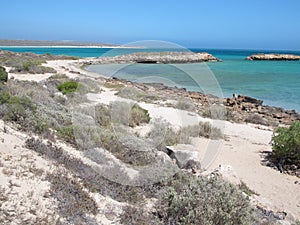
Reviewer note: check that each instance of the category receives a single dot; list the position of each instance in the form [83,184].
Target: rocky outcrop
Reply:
[239,108]
[159,57]
[278,57]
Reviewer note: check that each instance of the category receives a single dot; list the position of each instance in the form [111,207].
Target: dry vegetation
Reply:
[182,198]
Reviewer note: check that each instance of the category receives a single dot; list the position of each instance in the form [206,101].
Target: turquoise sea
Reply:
[277,83]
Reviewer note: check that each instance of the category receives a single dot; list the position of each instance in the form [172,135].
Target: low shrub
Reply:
[16,109]
[162,134]
[129,114]
[91,179]
[32,66]
[185,104]
[137,94]
[257,119]
[138,115]
[3,74]
[73,201]
[218,112]
[198,200]
[137,215]
[102,115]
[67,133]
[286,147]
[130,93]
[203,129]
[68,87]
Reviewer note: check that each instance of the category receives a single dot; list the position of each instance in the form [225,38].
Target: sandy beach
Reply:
[238,158]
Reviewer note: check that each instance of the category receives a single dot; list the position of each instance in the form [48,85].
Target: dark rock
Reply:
[184,156]
[248,99]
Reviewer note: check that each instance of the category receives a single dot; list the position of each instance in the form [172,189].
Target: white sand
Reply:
[242,148]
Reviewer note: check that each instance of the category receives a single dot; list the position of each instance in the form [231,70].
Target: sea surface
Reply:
[277,83]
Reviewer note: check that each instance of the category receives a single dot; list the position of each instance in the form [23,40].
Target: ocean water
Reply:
[277,83]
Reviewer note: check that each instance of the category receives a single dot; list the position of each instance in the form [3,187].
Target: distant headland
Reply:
[60,44]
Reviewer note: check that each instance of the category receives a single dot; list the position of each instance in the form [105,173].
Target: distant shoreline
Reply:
[68,46]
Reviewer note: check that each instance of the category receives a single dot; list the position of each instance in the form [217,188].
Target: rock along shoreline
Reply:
[159,58]
[273,56]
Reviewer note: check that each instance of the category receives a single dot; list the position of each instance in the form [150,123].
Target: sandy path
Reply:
[277,191]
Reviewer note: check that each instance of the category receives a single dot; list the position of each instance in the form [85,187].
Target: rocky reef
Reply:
[159,58]
[278,57]
[238,108]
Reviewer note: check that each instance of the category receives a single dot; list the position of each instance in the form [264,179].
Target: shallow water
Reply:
[275,82]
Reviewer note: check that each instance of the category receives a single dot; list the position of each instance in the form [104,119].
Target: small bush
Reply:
[257,119]
[67,133]
[3,74]
[218,112]
[286,147]
[73,201]
[134,215]
[129,114]
[68,87]
[162,134]
[138,115]
[102,115]
[32,66]
[16,109]
[185,104]
[199,200]
[91,179]
[203,129]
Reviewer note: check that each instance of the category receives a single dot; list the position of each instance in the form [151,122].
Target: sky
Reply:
[228,24]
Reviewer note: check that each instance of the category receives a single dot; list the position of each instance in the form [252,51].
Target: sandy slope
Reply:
[22,181]
[241,150]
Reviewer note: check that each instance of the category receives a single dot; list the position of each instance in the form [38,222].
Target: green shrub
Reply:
[3,74]
[67,133]
[286,146]
[4,97]
[68,87]
[199,200]
[17,109]
[138,115]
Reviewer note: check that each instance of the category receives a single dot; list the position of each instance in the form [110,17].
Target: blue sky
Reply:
[256,24]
